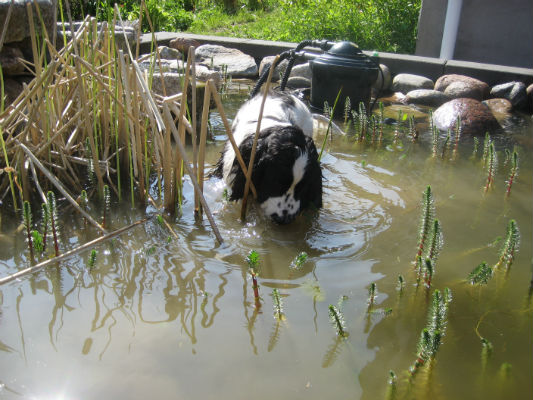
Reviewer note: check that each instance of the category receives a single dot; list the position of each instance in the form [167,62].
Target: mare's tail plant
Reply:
[347,109]
[27,224]
[426,221]
[475,150]
[337,320]
[435,329]
[491,165]
[391,386]
[92,259]
[372,293]
[253,266]
[510,246]
[278,305]
[413,132]
[299,260]
[107,206]
[481,274]
[513,174]
[401,283]
[84,204]
[52,212]
[458,131]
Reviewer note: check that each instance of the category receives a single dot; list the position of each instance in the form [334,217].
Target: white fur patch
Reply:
[286,205]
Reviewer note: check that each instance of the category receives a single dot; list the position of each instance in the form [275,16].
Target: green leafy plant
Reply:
[510,246]
[481,274]
[28,224]
[299,260]
[513,173]
[337,320]
[252,259]
[278,305]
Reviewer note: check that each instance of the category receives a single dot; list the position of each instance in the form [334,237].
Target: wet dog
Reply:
[286,171]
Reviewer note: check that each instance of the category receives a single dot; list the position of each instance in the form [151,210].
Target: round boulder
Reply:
[406,82]
[278,71]
[383,81]
[500,108]
[515,92]
[239,65]
[476,117]
[427,97]
[461,86]
[10,60]
[182,44]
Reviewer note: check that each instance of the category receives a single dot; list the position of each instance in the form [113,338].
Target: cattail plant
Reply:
[278,305]
[491,166]
[510,246]
[513,173]
[27,223]
[426,222]
[253,266]
[52,212]
[337,320]
[435,329]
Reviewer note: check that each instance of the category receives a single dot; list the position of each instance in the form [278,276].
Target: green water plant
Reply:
[28,224]
[92,258]
[37,239]
[330,123]
[107,206]
[337,320]
[481,274]
[372,293]
[475,149]
[457,136]
[391,386]
[426,223]
[510,246]
[299,260]
[252,259]
[491,166]
[434,331]
[278,305]
[52,213]
[401,283]
[347,109]
[486,352]
[513,173]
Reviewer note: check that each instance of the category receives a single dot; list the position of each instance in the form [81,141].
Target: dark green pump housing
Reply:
[344,66]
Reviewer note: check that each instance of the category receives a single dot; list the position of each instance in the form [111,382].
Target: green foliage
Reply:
[252,259]
[278,305]
[299,260]
[510,245]
[481,274]
[92,259]
[337,320]
[37,240]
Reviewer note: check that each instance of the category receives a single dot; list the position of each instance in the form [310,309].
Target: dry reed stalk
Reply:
[70,253]
[202,144]
[229,133]
[6,24]
[60,187]
[256,137]
[33,37]
[189,170]
[139,144]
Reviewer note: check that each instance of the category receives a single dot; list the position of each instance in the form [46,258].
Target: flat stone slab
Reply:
[238,64]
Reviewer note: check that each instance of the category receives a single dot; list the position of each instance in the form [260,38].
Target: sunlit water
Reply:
[162,317]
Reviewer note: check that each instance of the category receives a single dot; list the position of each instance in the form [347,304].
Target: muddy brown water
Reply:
[159,317]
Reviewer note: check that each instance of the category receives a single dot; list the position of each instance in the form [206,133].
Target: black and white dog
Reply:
[286,171]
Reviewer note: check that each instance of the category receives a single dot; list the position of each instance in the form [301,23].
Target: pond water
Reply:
[164,317]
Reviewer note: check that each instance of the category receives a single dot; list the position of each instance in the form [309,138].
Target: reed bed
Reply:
[89,121]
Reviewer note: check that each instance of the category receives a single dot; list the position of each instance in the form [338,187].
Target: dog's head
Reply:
[286,173]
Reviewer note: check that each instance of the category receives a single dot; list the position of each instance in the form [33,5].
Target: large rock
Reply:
[476,117]
[500,108]
[12,90]
[460,86]
[515,92]
[168,53]
[239,65]
[278,71]
[529,92]
[18,26]
[182,44]
[383,81]
[121,35]
[427,97]
[302,71]
[10,60]
[406,82]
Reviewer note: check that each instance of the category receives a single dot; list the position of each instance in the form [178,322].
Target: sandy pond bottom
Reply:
[176,319]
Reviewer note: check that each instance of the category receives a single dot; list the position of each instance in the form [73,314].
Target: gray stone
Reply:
[182,44]
[529,92]
[18,26]
[239,65]
[297,82]
[278,71]
[500,108]
[386,79]
[427,97]
[167,53]
[302,71]
[515,92]
[476,117]
[121,35]
[10,60]
[406,82]
[457,86]
[172,82]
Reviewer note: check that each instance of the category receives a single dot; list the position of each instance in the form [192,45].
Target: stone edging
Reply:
[431,68]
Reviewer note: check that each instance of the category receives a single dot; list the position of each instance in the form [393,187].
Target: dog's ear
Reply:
[239,182]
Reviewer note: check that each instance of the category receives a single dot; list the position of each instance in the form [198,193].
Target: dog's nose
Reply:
[285,218]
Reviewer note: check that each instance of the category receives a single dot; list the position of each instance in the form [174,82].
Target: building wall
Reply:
[490,31]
